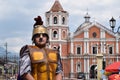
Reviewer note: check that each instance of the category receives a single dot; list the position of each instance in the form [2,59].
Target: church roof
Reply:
[83,25]
[56,7]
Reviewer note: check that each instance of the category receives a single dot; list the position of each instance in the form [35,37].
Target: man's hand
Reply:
[59,76]
[28,76]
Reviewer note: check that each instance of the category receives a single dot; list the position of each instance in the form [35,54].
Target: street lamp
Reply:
[112,22]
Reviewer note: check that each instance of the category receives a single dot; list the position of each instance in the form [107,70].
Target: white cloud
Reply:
[15,44]
[101,10]
[5,9]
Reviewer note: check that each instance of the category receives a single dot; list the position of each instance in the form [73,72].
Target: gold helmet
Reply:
[39,28]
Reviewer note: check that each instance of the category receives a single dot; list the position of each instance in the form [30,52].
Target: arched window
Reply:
[63,20]
[78,50]
[110,50]
[78,67]
[93,71]
[94,49]
[55,34]
[55,20]
[64,36]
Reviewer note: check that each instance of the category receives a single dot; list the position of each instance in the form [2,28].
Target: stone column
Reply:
[71,60]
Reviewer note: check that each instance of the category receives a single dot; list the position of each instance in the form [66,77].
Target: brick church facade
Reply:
[78,50]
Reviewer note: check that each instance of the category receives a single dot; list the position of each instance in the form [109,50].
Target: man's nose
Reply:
[41,36]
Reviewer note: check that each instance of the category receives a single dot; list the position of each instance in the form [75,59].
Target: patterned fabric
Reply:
[25,62]
[59,68]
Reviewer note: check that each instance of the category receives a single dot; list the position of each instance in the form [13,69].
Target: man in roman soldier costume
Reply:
[38,62]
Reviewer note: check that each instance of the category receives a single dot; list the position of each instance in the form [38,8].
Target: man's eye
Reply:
[37,35]
[44,35]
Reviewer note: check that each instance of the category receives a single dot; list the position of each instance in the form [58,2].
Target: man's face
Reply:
[40,40]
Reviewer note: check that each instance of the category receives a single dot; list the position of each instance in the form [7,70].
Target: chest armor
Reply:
[43,63]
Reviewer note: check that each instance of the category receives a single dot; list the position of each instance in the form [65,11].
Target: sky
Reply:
[17,17]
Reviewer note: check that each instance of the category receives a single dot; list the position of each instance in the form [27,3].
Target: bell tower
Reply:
[57,25]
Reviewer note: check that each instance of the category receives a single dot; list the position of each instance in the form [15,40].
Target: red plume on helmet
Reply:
[38,21]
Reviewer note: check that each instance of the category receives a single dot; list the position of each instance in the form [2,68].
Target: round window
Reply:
[94,34]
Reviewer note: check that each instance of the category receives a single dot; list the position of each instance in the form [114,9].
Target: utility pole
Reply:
[6,61]
[6,53]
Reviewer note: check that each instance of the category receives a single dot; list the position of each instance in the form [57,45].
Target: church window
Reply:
[64,34]
[110,50]
[55,34]
[94,34]
[63,20]
[79,50]
[55,20]
[94,50]
[78,68]
[48,20]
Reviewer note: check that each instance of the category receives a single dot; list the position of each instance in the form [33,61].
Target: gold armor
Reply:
[43,62]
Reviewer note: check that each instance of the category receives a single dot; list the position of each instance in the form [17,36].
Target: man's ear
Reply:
[33,40]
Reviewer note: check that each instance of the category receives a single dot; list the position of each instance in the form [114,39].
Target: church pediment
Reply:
[94,30]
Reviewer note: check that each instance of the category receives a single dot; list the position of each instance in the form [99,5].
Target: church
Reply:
[78,50]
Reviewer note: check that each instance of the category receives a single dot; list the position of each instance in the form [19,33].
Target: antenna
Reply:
[87,10]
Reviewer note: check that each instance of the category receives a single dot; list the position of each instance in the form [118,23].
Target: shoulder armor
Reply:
[23,49]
